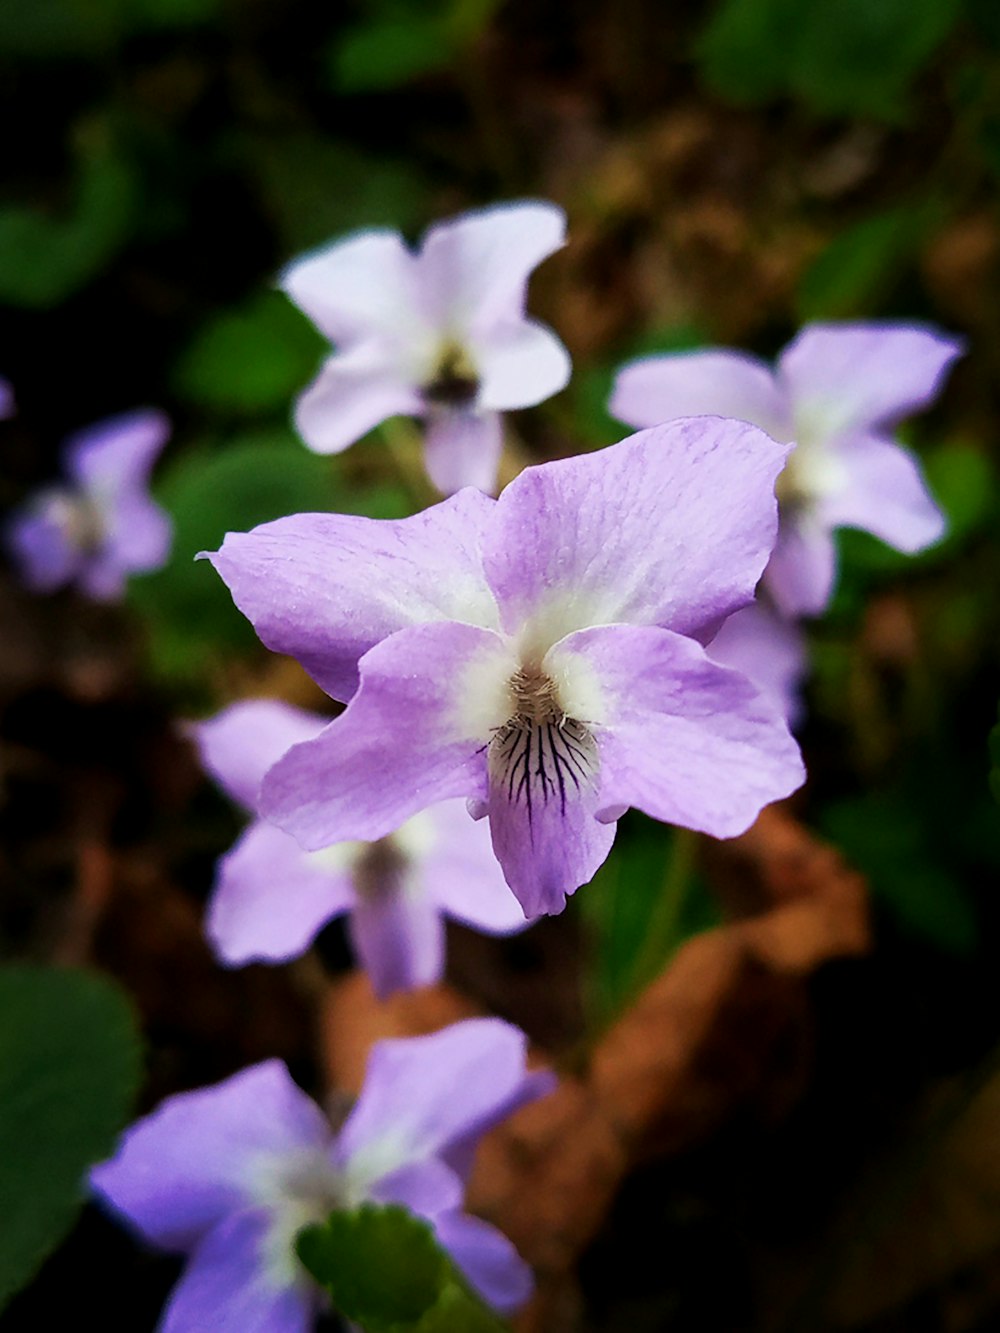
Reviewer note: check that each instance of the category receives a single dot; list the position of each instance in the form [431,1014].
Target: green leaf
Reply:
[862,264]
[400,41]
[251,360]
[69,1068]
[385,1271]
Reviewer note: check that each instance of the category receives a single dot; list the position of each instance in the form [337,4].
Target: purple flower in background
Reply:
[539,654]
[837,391]
[769,649]
[230,1174]
[271,897]
[439,333]
[6,400]
[101,525]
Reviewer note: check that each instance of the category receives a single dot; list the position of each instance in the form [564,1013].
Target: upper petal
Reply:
[884,494]
[475,267]
[718,383]
[239,744]
[117,453]
[520,363]
[673,526]
[681,738]
[180,1170]
[847,377]
[324,588]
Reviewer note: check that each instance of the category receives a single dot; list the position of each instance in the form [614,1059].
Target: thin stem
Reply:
[666,914]
[403,444]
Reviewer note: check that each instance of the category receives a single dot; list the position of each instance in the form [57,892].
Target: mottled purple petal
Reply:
[462,875]
[803,568]
[271,898]
[226,1286]
[689,384]
[487,1260]
[116,454]
[769,649]
[398,935]
[847,377]
[884,494]
[672,526]
[476,267]
[353,393]
[37,539]
[462,448]
[239,744]
[411,736]
[325,588]
[681,738]
[180,1170]
[422,1095]
[520,364]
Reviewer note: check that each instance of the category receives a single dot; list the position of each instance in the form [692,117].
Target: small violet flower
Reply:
[540,654]
[231,1173]
[836,392]
[439,334]
[271,897]
[6,400]
[101,525]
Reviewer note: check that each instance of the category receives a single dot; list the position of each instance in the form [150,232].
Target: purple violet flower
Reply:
[439,333]
[6,400]
[540,654]
[837,392]
[103,524]
[271,897]
[769,649]
[231,1173]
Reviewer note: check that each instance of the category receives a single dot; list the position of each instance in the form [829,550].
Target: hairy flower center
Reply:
[380,869]
[540,754]
[454,382]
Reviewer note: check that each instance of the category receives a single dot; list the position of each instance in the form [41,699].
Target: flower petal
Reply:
[354,287]
[139,534]
[463,449]
[719,383]
[414,733]
[180,1170]
[475,267]
[353,393]
[226,1287]
[803,568]
[885,495]
[398,935]
[37,540]
[683,739]
[324,588]
[462,875]
[428,1188]
[673,527]
[424,1095]
[239,744]
[520,363]
[767,648]
[847,377]
[487,1260]
[117,453]
[271,898]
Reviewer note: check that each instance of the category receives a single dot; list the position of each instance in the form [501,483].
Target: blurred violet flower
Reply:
[439,334]
[6,400]
[231,1173]
[103,524]
[768,648]
[836,392]
[540,654]
[271,897]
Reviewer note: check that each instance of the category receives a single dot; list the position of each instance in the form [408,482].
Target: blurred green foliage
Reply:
[69,1069]
[398,40]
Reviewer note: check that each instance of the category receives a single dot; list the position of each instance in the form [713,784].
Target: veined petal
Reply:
[843,378]
[687,384]
[424,1095]
[463,449]
[118,453]
[239,744]
[362,285]
[398,936]
[884,494]
[520,363]
[463,877]
[769,649]
[487,1260]
[475,268]
[324,588]
[672,527]
[803,568]
[681,738]
[180,1170]
[415,733]
[226,1286]
[353,392]
[271,898]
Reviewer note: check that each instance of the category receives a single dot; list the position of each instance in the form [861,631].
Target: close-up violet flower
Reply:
[438,333]
[102,525]
[230,1174]
[540,654]
[836,393]
[271,897]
